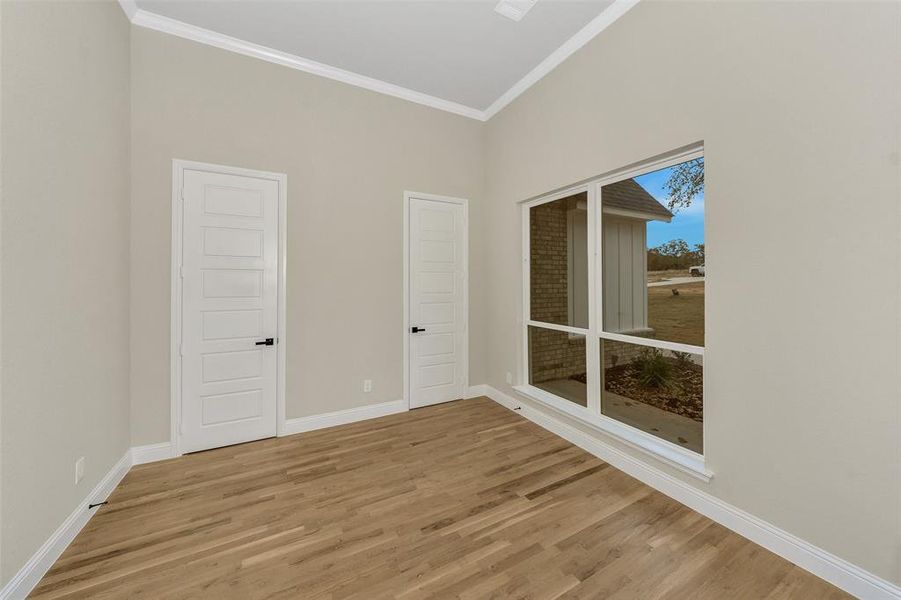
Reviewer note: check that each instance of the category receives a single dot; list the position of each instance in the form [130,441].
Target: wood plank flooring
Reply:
[463,500]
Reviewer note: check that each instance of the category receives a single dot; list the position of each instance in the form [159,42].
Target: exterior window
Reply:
[557,364]
[652,288]
[558,288]
[657,391]
[558,280]
[615,298]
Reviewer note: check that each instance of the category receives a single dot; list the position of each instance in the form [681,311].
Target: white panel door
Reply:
[229,309]
[437,318]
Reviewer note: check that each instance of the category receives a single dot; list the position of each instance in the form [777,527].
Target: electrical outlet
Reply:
[509,378]
[367,385]
[79,470]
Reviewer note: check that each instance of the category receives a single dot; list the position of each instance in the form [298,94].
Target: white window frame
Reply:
[674,455]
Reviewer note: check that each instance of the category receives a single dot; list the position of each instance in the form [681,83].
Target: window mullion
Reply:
[592,343]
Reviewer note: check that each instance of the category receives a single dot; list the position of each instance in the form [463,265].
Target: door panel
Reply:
[225,324]
[437,302]
[229,303]
[229,241]
[224,408]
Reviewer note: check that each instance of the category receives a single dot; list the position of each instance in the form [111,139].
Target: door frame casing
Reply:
[179,166]
[408,196]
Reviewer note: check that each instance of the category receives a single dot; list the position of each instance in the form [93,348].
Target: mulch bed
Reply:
[683,396]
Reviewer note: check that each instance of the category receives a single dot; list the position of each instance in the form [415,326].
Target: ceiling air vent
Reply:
[514,9]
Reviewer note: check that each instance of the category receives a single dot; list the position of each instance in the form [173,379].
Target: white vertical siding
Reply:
[625,274]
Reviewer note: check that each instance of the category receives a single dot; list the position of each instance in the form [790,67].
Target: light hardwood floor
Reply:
[462,500]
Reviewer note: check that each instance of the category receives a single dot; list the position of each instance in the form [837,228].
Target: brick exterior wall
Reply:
[615,352]
[553,354]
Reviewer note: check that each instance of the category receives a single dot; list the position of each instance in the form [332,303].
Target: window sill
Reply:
[670,454]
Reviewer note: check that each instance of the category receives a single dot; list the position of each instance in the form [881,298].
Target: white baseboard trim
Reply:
[37,566]
[835,570]
[839,572]
[151,453]
[343,417]
[474,391]
[40,562]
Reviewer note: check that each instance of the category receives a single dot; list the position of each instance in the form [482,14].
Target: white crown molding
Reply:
[601,22]
[837,571]
[143,18]
[130,8]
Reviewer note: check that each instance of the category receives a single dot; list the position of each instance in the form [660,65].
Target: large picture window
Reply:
[614,298]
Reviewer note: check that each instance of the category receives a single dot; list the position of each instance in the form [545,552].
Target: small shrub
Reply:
[652,369]
[682,358]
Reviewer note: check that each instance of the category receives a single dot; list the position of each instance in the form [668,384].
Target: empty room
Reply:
[410,299]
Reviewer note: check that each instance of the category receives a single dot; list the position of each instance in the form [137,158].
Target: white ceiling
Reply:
[459,51]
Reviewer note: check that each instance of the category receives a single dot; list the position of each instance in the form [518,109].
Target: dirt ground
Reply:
[683,396]
[677,318]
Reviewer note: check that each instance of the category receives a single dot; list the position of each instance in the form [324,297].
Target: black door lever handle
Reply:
[266,342]
[416,329]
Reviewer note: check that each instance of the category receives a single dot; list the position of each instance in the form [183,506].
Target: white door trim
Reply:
[178,168]
[406,331]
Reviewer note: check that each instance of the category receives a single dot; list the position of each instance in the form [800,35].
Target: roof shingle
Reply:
[628,195]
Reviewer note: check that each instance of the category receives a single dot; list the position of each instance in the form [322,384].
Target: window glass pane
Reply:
[557,364]
[658,391]
[652,242]
[558,245]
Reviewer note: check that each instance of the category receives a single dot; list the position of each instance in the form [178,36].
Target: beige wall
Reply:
[65,173]
[349,155]
[798,106]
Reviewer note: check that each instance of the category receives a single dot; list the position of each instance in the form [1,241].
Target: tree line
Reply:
[675,254]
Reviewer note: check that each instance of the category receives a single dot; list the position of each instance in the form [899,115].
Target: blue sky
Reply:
[688,224]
